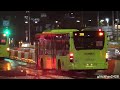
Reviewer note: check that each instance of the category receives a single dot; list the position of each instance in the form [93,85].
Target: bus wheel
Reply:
[2,58]
[59,65]
[41,63]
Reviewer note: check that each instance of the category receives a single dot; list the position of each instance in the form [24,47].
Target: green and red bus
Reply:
[4,46]
[72,49]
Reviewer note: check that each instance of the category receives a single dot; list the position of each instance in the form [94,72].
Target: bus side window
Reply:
[67,46]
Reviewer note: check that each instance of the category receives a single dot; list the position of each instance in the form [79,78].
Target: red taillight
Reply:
[100,33]
[71,54]
[71,57]
[2,41]
[100,30]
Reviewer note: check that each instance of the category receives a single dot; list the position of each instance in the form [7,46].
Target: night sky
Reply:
[53,15]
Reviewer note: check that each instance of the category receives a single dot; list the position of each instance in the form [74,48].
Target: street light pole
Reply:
[113,26]
[117,25]
[29,24]
[82,19]
[98,18]
[113,19]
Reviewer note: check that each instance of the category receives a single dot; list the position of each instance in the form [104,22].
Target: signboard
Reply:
[6,23]
[81,34]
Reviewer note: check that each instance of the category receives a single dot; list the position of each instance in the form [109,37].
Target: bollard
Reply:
[16,55]
[22,55]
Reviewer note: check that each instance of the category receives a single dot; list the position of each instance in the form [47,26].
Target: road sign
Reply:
[6,23]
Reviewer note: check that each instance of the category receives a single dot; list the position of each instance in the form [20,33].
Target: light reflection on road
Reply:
[41,74]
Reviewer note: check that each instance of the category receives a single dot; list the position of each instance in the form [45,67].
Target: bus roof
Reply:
[60,31]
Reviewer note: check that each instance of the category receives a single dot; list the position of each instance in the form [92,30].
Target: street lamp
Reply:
[107,20]
[26,22]
[77,21]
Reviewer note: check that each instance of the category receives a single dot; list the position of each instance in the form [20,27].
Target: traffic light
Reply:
[6,31]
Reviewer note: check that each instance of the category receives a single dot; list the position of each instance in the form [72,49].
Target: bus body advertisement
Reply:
[71,49]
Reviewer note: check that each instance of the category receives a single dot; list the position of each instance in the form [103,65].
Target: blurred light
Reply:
[21,70]
[58,25]
[77,20]
[26,17]
[4,35]
[89,20]
[106,56]
[8,49]
[56,21]
[60,36]
[36,21]
[116,19]
[27,11]
[3,41]
[100,33]
[75,34]
[100,29]
[26,21]
[8,66]
[107,20]
[71,54]
[101,20]
[6,31]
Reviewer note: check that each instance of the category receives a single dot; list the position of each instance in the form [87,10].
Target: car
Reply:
[113,53]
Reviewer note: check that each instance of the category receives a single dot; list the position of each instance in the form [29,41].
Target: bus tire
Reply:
[41,63]
[2,58]
[59,65]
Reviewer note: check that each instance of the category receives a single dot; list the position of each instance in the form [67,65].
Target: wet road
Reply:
[22,70]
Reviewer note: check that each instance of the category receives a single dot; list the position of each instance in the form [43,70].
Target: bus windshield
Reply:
[88,39]
[2,39]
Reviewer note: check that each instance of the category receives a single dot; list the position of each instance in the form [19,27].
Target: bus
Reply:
[4,46]
[72,49]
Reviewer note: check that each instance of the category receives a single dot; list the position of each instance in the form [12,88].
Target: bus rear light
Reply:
[71,57]
[8,49]
[71,54]
[75,34]
[100,33]
[3,41]
[100,30]
[107,57]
